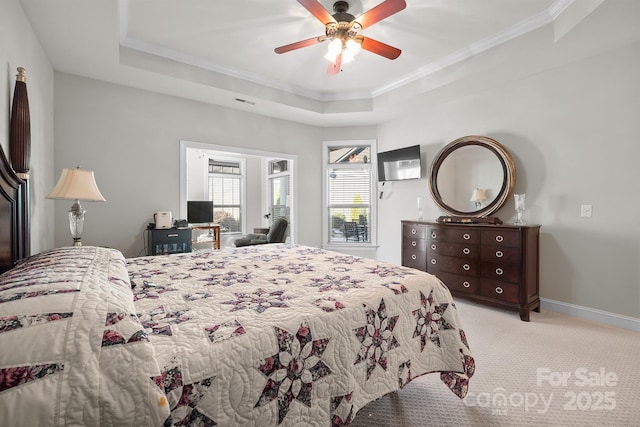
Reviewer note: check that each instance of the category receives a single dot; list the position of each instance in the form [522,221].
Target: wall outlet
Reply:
[586,211]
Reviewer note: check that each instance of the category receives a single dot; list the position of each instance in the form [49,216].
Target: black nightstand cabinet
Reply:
[169,241]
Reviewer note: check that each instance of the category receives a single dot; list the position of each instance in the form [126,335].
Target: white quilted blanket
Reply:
[56,368]
[269,335]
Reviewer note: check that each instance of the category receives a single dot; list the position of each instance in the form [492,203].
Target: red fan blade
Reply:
[334,69]
[318,10]
[380,12]
[380,48]
[300,44]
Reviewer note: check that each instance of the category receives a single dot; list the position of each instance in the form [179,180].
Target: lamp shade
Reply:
[76,184]
[478,195]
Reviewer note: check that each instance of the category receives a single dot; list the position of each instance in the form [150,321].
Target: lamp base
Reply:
[76,222]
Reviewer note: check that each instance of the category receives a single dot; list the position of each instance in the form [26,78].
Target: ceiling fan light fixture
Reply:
[352,47]
[350,51]
[342,28]
[333,50]
[331,57]
[335,47]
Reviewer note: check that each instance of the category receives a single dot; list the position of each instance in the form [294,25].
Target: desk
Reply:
[214,231]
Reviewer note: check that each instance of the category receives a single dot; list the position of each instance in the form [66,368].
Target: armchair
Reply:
[277,234]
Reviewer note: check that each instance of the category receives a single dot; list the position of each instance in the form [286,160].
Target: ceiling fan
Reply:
[342,28]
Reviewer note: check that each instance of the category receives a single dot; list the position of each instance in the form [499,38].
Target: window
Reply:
[254,169]
[225,190]
[349,181]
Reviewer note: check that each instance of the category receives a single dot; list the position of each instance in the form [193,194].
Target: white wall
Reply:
[566,109]
[131,139]
[19,47]
[571,123]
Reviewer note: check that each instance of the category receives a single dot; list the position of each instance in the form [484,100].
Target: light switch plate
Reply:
[586,211]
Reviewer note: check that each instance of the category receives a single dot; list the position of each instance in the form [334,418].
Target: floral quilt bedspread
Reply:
[60,364]
[292,335]
[273,335]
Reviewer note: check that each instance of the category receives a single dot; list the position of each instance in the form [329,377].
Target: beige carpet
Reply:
[549,371]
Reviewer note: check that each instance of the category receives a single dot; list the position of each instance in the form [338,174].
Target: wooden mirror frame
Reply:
[508,172]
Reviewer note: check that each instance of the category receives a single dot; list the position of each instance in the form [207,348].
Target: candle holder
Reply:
[519,201]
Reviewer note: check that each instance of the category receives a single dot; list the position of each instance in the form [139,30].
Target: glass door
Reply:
[280,194]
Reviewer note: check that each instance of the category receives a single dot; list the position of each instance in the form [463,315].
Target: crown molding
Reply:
[517,30]
[480,46]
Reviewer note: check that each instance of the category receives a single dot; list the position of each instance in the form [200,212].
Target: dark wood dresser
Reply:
[495,265]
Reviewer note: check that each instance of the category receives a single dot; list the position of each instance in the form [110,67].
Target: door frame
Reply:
[292,158]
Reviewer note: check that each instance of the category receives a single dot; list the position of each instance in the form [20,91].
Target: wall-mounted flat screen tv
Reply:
[199,212]
[396,165]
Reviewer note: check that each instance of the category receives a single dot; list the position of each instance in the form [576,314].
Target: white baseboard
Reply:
[592,314]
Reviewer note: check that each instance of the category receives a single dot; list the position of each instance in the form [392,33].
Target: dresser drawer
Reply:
[499,290]
[505,272]
[454,234]
[457,282]
[500,237]
[414,231]
[412,244]
[464,266]
[463,250]
[414,259]
[500,254]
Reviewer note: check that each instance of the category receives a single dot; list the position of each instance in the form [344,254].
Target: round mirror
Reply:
[472,177]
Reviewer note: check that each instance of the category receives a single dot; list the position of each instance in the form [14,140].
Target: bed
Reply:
[271,335]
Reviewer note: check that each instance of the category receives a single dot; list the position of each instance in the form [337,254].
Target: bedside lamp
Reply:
[478,196]
[76,184]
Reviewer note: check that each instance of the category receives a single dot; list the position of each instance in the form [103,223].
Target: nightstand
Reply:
[169,241]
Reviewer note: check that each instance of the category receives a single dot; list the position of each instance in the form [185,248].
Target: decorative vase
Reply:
[519,200]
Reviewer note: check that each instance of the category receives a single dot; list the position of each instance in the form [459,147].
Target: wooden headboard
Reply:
[11,235]
[15,222]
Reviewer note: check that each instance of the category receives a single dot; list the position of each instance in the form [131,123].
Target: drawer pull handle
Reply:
[413,243]
[433,261]
[434,247]
[466,267]
[499,238]
[499,290]
[466,236]
[434,235]
[466,251]
[499,271]
[413,231]
[172,235]
[466,284]
[414,257]
[499,254]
